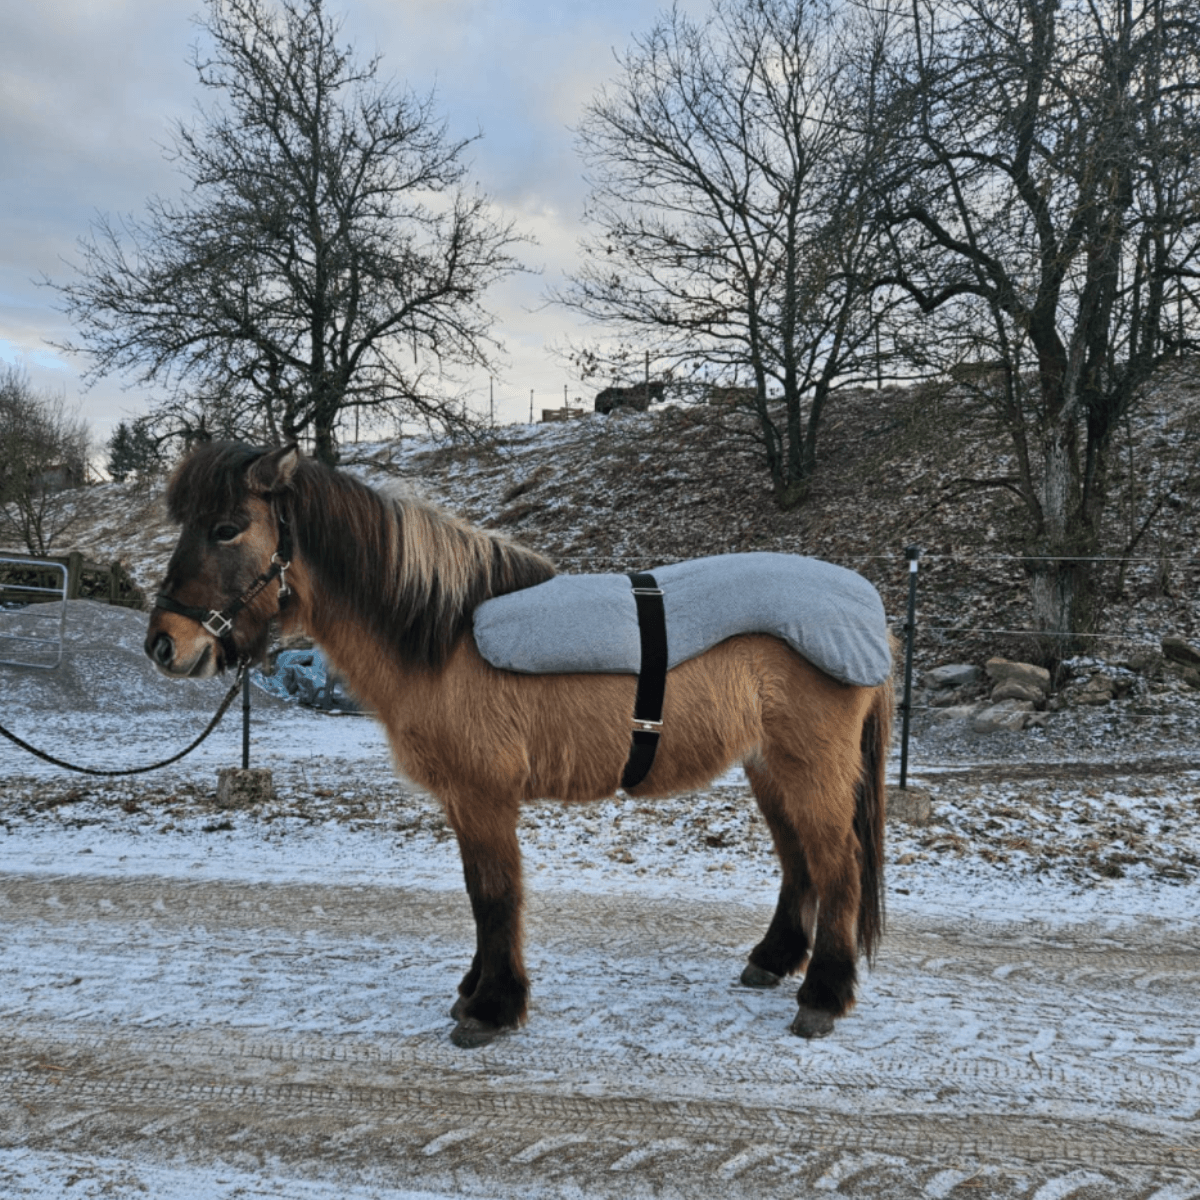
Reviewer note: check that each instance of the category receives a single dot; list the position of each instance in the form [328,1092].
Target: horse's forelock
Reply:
[211,479]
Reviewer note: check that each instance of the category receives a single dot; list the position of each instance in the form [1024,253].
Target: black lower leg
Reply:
[467,986]
[501,989]
[828,988]
[784,948]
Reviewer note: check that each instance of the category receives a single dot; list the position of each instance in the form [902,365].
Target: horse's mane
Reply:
[411,573]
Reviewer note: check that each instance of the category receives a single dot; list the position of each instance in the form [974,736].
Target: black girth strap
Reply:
[652,678]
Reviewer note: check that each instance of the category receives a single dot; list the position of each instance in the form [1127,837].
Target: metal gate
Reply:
[33,616]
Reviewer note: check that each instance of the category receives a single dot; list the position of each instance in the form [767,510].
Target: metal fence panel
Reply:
[32,625]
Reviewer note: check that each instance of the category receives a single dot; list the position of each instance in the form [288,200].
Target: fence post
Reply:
[246,719]
[74,574]
[910,628]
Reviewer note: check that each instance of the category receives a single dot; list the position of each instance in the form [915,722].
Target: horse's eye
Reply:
[225,532]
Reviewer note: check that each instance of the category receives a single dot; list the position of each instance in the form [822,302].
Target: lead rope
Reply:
[166,762]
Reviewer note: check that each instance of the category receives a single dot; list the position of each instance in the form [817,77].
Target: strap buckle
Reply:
[641,725]
[284,587]
[218,624]
[654,591]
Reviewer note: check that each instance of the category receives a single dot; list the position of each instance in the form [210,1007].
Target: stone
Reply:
[1179,650]
[912,806]
[1001,671]
[1100,689]
[1190,676]
[1008,715]
[1144,663]
[238,788]
[957,712]
[1012,690]
[952,675]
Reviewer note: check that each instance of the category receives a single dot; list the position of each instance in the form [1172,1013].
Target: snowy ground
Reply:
[198,1002]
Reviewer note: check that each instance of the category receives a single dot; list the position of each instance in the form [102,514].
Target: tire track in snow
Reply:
[678,1076]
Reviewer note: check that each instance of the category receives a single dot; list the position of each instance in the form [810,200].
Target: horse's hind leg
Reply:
[494,993]
[815,806]
[784,948]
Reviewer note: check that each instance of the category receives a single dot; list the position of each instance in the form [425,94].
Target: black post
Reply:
[910,629]
[246,719]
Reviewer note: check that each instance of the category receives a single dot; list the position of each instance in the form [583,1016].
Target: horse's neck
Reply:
[387,574]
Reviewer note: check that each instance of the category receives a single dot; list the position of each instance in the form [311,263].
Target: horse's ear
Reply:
[274,470]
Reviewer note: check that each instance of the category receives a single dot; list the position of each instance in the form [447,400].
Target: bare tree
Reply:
[731,235]
[1042,200]
[327,253]
[43,453]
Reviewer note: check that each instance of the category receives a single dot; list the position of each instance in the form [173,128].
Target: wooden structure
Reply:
[22,578]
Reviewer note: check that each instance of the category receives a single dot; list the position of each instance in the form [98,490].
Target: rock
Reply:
[1012,690]
[237,788]
[1190,676]
[958,712]
[913,806]
[1143,663]
[952,675]
[1011,715]
[1100,689]
[1001,671]
[1180,651]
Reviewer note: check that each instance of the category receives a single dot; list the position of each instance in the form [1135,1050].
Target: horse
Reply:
[387,586]
[639,397]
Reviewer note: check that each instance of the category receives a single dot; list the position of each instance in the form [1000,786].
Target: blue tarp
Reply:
[302,675]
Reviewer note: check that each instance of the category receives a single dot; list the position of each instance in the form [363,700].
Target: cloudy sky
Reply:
[89,88]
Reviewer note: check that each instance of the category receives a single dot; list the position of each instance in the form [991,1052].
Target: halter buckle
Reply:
[218,624]
[641,725]
[284,588]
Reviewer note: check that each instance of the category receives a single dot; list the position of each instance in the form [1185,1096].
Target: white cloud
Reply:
[89,88]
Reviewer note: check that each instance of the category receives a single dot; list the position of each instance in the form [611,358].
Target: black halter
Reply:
[220,623]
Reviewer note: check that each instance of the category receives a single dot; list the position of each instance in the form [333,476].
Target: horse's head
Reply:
[227,577]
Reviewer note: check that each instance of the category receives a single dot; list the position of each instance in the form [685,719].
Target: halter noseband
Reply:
[220,623]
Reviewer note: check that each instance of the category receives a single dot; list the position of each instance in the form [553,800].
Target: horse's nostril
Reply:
[163,650]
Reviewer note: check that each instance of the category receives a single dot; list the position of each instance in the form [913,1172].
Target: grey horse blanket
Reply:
[588,623]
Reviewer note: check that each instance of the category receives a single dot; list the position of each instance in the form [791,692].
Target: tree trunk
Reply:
[1062,577]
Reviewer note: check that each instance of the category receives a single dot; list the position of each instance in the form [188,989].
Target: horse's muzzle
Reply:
[161,650]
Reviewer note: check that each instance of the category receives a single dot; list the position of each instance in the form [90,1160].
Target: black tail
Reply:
[870,817]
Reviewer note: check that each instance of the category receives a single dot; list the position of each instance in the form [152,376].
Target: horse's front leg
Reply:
[494,993]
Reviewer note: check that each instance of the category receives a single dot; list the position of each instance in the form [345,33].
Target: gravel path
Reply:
[236,1023]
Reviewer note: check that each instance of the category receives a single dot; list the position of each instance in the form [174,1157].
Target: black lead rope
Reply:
[166,762]
[652,678]
[217,623]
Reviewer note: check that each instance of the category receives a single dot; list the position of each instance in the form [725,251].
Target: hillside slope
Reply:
[898,467]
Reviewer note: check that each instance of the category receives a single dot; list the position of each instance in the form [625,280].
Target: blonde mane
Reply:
[394,563]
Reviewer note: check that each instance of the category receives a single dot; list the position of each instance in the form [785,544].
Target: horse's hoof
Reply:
[458,1008]
[812,1023]
[759,977]
[471,1033]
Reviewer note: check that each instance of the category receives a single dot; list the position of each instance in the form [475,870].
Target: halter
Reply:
[220,623]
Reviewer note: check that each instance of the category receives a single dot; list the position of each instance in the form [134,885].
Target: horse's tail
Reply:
[870,815]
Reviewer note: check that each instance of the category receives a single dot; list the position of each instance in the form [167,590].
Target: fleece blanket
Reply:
[573,623]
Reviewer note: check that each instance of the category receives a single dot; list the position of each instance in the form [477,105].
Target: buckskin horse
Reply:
[387,586]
